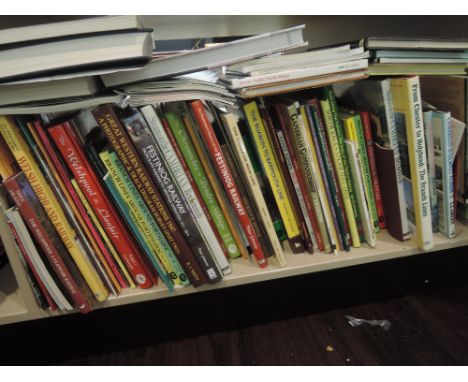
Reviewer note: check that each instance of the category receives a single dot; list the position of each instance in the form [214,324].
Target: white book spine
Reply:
[185,186]
[393,139]
[356,172]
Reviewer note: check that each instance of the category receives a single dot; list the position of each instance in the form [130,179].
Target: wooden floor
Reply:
[296,321]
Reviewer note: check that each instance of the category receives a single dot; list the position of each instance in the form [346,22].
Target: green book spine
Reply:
[198,173]
[125,210]
[344,155]
[142,216]
[365,168]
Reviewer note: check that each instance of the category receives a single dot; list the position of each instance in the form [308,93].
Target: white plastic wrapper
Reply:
[353,321]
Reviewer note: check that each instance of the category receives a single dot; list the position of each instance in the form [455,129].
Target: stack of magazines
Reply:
[288,72]
[405,55]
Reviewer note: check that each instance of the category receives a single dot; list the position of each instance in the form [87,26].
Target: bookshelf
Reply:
[17,302]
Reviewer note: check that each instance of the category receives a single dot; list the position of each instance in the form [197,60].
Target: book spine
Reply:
[285,134]
[227,181]
[213,182]
[442,129]
[177,126]
[329,176]
[246,199]
[95,195]
[48,200]
[305,157]
[356,171]
[37,221]
[33,272]
[407,100]
[335,136]
[291,192]
[143,222]
[94,222]
[64,176]
[369,141]
[393,142]
[366,172]
[275,178]
[68,206]
[314,160]
[111,126]
[431,167]
[245,164]
[174,198]
[192,166]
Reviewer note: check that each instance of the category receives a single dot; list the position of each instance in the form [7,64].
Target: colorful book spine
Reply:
[107,119]
[50,153]
[160,252]
[183,202]
[333,128]
[44,232]
[356,171]
[274,175]
[26,161]
[406,97]
[286,134]
[442,130]
[70,210]
[328,175]
[354,131]
[130,218]
[237,142]
[369,141]
[226,178]
[303,152]
[89,184]
[315,160]
[291,192]
[196,169]
[213,181]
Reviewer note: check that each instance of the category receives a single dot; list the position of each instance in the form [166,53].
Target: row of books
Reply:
[112,198]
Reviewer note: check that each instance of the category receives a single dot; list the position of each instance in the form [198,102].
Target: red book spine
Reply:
[44,290]
[76,200]
[227,181]
[300,177]
[95,195]
[373,167]
[30,211]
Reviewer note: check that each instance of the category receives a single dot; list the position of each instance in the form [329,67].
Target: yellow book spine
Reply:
[320,185]
[28,165]
[272,170]
[139,218]
[340,172]
[102,232]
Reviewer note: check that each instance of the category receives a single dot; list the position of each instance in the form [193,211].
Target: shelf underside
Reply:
[244,272]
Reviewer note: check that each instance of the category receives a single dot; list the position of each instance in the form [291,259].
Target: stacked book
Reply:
[403,55]
[288,72]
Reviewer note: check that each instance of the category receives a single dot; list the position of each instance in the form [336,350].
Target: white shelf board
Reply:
[245,272]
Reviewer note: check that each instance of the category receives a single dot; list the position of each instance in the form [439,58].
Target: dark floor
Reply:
[295,321]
